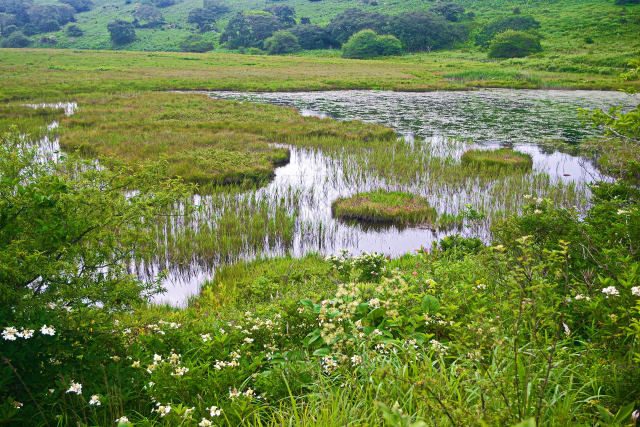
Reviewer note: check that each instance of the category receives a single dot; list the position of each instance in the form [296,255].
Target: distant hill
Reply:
[566,26]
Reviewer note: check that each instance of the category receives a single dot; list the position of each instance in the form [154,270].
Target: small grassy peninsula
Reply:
[503,158]
[385,207]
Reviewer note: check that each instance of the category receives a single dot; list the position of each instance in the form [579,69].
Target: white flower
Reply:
[356,360]
[377,332]
[205,338]
[635,415]
[17,404]
[205,423]
[214,411]
[537,211]
[610,291]
[527,196]
[635,291]
[567,331]
[437,346]
[75,388]
[157,358]
[174,358]
[52,305]
[10,333]
[47,330]
[180,371]
[135,364]
[249,393]
[234,393]
[622,212]
[163,410]
[123,420]
[95,400]
[248,340]
[26,333]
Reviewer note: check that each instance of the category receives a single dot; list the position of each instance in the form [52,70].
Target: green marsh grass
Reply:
[504,158]
[379,206]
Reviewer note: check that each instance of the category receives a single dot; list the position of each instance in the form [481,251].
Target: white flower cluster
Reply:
[610,291]
[635,291]
[11,333]
[75,387]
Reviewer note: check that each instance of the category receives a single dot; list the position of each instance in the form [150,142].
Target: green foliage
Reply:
[451,11]
[516,23]
[121,32]
[381,206]
[366,44]
[148,16]
[196,44]
[420,31]
[16,39]
[79,5]
[250,29]
[312,37]
[351,21]
[281,42]
[202,18]
[505,158]
[74,31]
[514,44]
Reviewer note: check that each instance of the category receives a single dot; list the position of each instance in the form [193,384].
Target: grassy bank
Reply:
[503,158]
[54,75]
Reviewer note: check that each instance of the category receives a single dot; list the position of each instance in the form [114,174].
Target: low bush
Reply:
[281,42]
[367,44]
[505,158]
[382,206]
[514,44]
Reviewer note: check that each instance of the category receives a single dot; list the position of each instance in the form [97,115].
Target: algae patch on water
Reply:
[385,207]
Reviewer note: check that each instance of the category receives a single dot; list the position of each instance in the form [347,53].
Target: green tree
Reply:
[250,29]
[285,14]
[79,5]
[148,16]
[202,18]
[420,31]
[367,44]
[312,37]
[450,11]
[517,23]
[281,42]
[195,43]
[121,32]
[514,44]
[74,31]
[16,39]
[351,21]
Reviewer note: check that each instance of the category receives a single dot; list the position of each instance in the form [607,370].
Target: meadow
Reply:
[534,322]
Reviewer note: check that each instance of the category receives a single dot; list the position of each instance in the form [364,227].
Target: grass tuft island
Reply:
[502,158]
[385,207]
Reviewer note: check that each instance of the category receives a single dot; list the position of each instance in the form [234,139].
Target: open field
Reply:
[55,75]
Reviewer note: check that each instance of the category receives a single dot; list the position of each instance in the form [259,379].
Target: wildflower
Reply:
[635,291]
[610,291]
[47,330]
[415,273]
[75,388]
[234,393]
[52,305]
[187,413]
[135,364]
[635,415]
[249,393]
[205,337]
[248,340]
[527,196]
[537,211]
[95,400]
[581,297]
[622,212]
[377,332]
[10,333]
[214,411]
[17,404]
[123,420]
[205,423]
[51,391]
[180,372]
[222,331]
[356,360]
[539,200]
[163,410]
[115,358]
[174,358]
[438,347]
[567,331]
[329,363]
[157,358]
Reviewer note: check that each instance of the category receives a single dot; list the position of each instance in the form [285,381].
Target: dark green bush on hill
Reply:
[148,16]
[202,18]
[195,43]
[420,31]
[450,11]
[351,21]
[250,29]
[74,31]
[367,44]
[516,23]
[79,5]
[312,37]
[216,6]
[514,44]
[621,2]
[281,42]
[121,32]
[16,39]
[285,14]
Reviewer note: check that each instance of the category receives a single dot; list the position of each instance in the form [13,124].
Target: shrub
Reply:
[349,22]
[420,31]
[250,29]
[367,44]
[16,39]
[282,42]
[79,5]
[121,32]
[502,158]
[312,37]
[450,11]
[195,43]
[74,31]
[382,206]
[514,44]
[202,18]
[516,22]
[148,16]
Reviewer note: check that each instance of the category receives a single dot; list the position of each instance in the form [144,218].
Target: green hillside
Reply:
[564,24]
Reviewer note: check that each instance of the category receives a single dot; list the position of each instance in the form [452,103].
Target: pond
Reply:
[437,127]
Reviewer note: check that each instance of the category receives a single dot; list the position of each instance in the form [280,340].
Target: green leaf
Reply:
[430,304]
